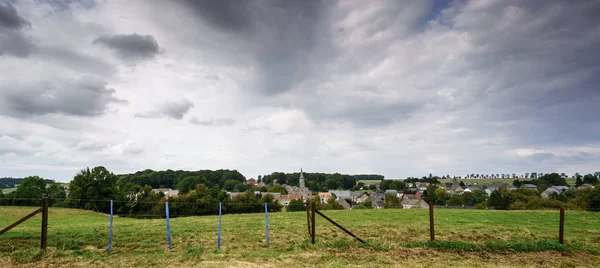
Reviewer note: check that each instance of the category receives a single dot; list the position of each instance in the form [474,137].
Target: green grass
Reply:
[394,237]
[369,182]
[8,190]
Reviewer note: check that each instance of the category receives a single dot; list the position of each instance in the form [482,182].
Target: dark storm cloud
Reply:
[131,47]
[12,39]
[15,43]
[278,36]
[534,71]
[213,123]
[10,19]
[88,96]
[364,113]
[172,109]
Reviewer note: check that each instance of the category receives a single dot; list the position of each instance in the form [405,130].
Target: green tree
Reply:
[32,187]
[391,201]
[368,203]
[500,199]
[92,189]
[277,189]
[594,200]
[296,205]
[590,179]
[441,197]
[57,193]
[398,185]
[272,204]
[230,185]
[479,196]
[188,183]
[455,200]
[578,182]
[429,195]
[462,184]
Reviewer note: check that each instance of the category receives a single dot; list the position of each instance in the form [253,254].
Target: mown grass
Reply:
[394,237]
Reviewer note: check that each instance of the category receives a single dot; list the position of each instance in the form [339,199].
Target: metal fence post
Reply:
[168,225]
[267,223]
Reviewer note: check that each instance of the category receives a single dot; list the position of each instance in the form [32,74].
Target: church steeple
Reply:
[301,179]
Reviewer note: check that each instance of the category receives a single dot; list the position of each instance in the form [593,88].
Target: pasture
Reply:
[395,237]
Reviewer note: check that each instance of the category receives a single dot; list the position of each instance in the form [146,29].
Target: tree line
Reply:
[200,192]
[523,198]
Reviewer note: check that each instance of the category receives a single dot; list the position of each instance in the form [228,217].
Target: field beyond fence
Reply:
[394,237]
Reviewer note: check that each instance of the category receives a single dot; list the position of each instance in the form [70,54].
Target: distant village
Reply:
[373,196]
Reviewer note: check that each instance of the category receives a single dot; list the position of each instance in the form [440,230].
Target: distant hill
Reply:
[9,182]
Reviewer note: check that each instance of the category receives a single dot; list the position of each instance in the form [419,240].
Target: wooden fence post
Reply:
[308,217]
[44,243]
[561,227]
[313,208]
[431,225]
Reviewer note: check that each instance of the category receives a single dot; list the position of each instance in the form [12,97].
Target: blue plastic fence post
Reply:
[168,224]
[267,222]
[219,229]
[111,227]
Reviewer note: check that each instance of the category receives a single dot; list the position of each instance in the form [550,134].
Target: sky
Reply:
[398,88]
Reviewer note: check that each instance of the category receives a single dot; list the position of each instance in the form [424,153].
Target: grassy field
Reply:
[8,190]
[395,237]
[490,181]
[369,182]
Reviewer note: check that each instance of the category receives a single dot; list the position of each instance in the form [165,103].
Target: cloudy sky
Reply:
[398,88]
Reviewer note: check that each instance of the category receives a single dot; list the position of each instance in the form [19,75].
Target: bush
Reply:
[296,205]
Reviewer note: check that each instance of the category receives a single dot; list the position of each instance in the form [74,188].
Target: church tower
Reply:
[302,186]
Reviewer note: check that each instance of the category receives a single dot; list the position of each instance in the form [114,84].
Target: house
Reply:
[414,203]
[324,196]
[340,194]
[510,187]
[167,192]
[354,195]
[410,203]
[585,186]
[251,181]
[285,199]
[419,195]
[471,189]
[553,190]
[410,197]
[448,186]
[376,199]
[343,202]
[489,190]
[362,198]
[530,186]
[457,189]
